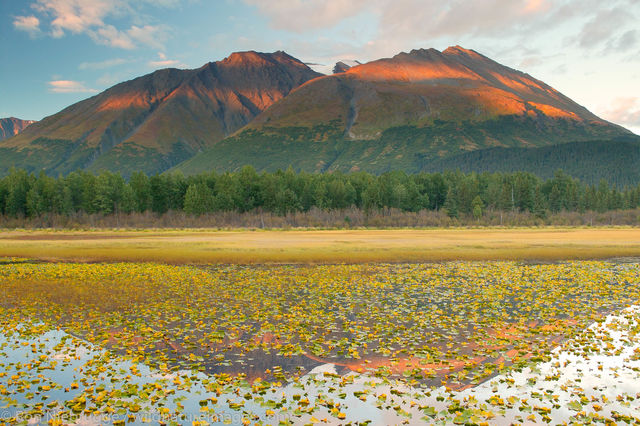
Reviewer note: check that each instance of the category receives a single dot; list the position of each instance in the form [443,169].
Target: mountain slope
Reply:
[614,161]
[155,121]
[404,112]
[12,126]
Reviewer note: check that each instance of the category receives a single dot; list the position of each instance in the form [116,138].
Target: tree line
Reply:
[457,194]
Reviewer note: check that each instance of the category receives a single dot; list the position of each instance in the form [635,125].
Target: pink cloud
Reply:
[163,62]
[76,16]
[69,86]
[624,111]
[30,24]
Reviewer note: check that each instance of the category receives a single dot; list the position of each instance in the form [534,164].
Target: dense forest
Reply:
[615,161]
[454,193]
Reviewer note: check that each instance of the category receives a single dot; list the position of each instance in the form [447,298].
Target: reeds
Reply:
[329,246]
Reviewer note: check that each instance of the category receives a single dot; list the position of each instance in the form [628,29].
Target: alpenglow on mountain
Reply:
[12,126]
[404,113]
[271,111]
[155,121]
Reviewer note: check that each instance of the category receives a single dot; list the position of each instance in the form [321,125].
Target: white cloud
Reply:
[149,35]
[627,40]
[90,16]
[76,16]
[69,86]
[29,24]
[102,64]
[164,62]
[303,15]
[111,36]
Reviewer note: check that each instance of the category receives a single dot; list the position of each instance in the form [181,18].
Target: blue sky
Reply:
[57,52]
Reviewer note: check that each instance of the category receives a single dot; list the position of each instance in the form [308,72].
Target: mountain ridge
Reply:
[154,121]
[271,110]
[11,126]
[406,111]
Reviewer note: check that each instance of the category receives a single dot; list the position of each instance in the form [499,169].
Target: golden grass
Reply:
[313,246]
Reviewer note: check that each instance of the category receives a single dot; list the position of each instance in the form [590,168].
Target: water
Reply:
[597,373]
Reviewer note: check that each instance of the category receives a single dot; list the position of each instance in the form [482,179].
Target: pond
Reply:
[463,342]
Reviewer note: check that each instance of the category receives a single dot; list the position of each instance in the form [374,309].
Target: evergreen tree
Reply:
[23,194]
[451,203]
[141,188]
[198,199]
[476,207]
[18,185]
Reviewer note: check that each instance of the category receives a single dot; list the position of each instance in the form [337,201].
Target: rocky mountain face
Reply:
[409,112]
[405,112]
[343,66]
[12,126]
[155,121]
[340,67]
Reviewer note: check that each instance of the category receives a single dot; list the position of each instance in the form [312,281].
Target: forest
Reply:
[26,195]
[615,161]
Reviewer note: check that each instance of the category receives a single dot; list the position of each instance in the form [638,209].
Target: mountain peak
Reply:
[424,88]
[459,50]
[340,67]
[251,58]
[429,53]
[12,126]
[245,58]
[157,120]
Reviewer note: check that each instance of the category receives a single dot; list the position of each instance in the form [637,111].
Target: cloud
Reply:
[90,17]
[401,17]
[29,24]
[624,111]
[109,35]
[602,27]
[301,15]
[163,62]
[69,86]
[102,64]
[152,36]
[627,40]
[431,19]
[420,23]
[76,16]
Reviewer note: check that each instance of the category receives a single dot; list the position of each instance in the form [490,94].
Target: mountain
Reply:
[155,121]
[12,126]
[406,112]
[343,66]
[340,67]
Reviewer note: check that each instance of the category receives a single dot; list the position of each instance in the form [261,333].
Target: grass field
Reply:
[317,246]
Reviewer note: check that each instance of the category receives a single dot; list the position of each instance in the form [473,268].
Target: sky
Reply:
[58,52]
